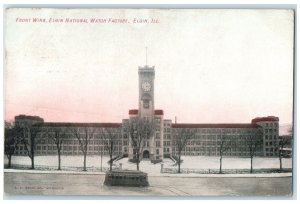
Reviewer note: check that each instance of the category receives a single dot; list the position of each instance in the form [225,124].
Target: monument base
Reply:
[126,178]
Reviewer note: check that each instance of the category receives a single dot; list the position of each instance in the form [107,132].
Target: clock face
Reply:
[146,86]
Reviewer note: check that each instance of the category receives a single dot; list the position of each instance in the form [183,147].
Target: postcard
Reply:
[149,102]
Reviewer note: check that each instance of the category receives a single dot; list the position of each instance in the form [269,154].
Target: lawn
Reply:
[191,162]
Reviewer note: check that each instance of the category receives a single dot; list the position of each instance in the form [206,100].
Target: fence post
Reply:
[161,168]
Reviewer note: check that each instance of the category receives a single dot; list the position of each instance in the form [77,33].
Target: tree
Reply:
[225,144]
[57,134]
[180,140]
[139,130]
[283,142]
[254,144]
[84,135]
[28,138]
[110,140]
[11,136]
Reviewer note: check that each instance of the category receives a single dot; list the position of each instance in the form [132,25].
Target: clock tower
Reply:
[146,91]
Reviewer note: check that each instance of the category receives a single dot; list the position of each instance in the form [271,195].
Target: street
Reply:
[21,183]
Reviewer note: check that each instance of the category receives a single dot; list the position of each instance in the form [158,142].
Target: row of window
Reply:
[271,149]
[270,143]
[270,130]
[219,137]
[170,142]
[213,149]
[271,137]
[217,154]
[272,124]
[218,130]
[71,136]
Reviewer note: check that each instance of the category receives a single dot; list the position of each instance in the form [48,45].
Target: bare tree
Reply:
[11,136]
[283,142]
[139,130]
[254,143]
[180,140]
[224,144]
[28,138]
[100,151]
[57,134]
[110,140]
[84,135]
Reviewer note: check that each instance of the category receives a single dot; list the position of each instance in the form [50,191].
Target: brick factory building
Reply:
[206,140]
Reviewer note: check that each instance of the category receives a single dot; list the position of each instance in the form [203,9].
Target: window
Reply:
[157,143]
[157,151]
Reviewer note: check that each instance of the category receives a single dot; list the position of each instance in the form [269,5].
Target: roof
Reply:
[158,112]
[110,125]
[265,119]
[135,112]
[28,117]
[216,125]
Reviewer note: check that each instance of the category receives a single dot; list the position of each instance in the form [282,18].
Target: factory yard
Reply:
[21,183]
[75,163]
[71,180]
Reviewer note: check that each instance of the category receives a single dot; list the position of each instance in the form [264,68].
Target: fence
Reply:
[224,171]
[65,168]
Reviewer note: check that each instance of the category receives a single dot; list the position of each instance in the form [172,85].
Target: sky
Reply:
[211,66]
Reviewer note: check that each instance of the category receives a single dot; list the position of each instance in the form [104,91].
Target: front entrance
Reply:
[146,154]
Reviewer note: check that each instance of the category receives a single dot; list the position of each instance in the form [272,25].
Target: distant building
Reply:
[161,144]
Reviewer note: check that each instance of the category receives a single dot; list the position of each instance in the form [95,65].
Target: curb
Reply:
[272,175]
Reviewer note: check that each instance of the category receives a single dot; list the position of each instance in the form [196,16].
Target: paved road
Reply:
[68,184]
